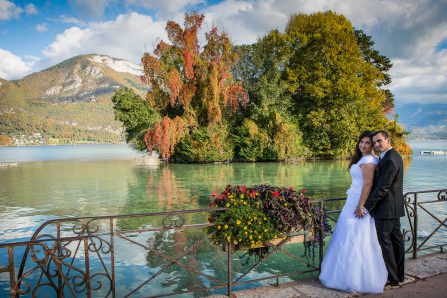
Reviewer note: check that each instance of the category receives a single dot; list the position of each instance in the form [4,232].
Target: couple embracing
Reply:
[366,251]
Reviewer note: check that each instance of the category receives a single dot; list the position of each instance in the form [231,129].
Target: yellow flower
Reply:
[245,227]
[241,196]
[218,227]
[238,222]
[259,237]
[251,237]
[265,230]
[228,205]
[245,233]
[245,203]
[229,237]
[226,226]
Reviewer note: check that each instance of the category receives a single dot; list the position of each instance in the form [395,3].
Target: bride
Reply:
[353,261]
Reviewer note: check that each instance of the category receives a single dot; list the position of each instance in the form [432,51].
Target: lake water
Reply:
[89,180]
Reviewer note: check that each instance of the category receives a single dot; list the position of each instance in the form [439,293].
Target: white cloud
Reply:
[246,21]
[421,80]
[14,67]
[89,8]
[8,10]
[31,9]
[165,9]
[41,27]
[71,20]
[126,37]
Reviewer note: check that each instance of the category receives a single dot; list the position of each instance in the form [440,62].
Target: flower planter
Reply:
[297,237]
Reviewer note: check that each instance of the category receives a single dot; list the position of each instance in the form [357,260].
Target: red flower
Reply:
[253,193]
[303,190]
[214,194]
[275,194]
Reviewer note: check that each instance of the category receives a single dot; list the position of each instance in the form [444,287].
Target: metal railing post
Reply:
[112,255]
[12,280]
[87,269]
[320,237]
[415,226]
[229,259]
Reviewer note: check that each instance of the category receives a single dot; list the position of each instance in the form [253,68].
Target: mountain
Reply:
[67,103]
[424,120]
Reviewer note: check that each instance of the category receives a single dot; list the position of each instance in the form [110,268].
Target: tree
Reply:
[272,132]
[5,140]
[380,62]
[136,115]
[334,85]
[191,88]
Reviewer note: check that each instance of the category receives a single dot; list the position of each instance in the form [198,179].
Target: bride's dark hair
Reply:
[357,153]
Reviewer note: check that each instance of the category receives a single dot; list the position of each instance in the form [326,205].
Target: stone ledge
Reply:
[426,266]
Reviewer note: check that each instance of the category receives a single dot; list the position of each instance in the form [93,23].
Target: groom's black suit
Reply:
[385,203]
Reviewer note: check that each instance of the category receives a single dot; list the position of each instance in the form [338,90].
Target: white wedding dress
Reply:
[353,261]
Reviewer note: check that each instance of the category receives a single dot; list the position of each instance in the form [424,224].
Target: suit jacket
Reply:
[386,198]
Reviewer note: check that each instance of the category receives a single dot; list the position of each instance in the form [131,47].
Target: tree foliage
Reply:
[312,90]
[135,113]
[323,77]
[191,87]
[273,132]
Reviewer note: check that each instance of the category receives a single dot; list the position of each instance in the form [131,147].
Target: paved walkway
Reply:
[425,277]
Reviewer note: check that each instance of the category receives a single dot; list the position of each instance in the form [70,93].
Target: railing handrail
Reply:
[424,191]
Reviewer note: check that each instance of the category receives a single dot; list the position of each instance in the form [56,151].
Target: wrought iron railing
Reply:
[164,254]
[95,256]
[417,208]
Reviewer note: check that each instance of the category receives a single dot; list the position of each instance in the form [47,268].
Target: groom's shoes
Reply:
[392,285]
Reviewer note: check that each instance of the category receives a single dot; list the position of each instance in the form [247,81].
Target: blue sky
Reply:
[37,34]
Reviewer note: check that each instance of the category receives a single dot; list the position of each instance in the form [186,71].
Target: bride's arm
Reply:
[368,177]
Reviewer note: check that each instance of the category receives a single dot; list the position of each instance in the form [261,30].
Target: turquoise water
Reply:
[43,183]
[88,180]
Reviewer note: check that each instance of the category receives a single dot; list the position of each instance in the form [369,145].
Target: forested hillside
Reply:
[67,103]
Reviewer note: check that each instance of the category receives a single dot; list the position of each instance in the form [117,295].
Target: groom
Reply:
[385,203]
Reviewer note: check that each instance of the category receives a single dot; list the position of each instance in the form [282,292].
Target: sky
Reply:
[36,34]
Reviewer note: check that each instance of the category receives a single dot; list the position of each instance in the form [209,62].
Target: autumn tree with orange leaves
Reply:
[191,87]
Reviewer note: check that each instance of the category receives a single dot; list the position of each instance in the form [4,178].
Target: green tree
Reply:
[380,62]
[135,114]
[335,89]
[273,132]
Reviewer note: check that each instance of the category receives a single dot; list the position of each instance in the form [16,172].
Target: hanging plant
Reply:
[260,213]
